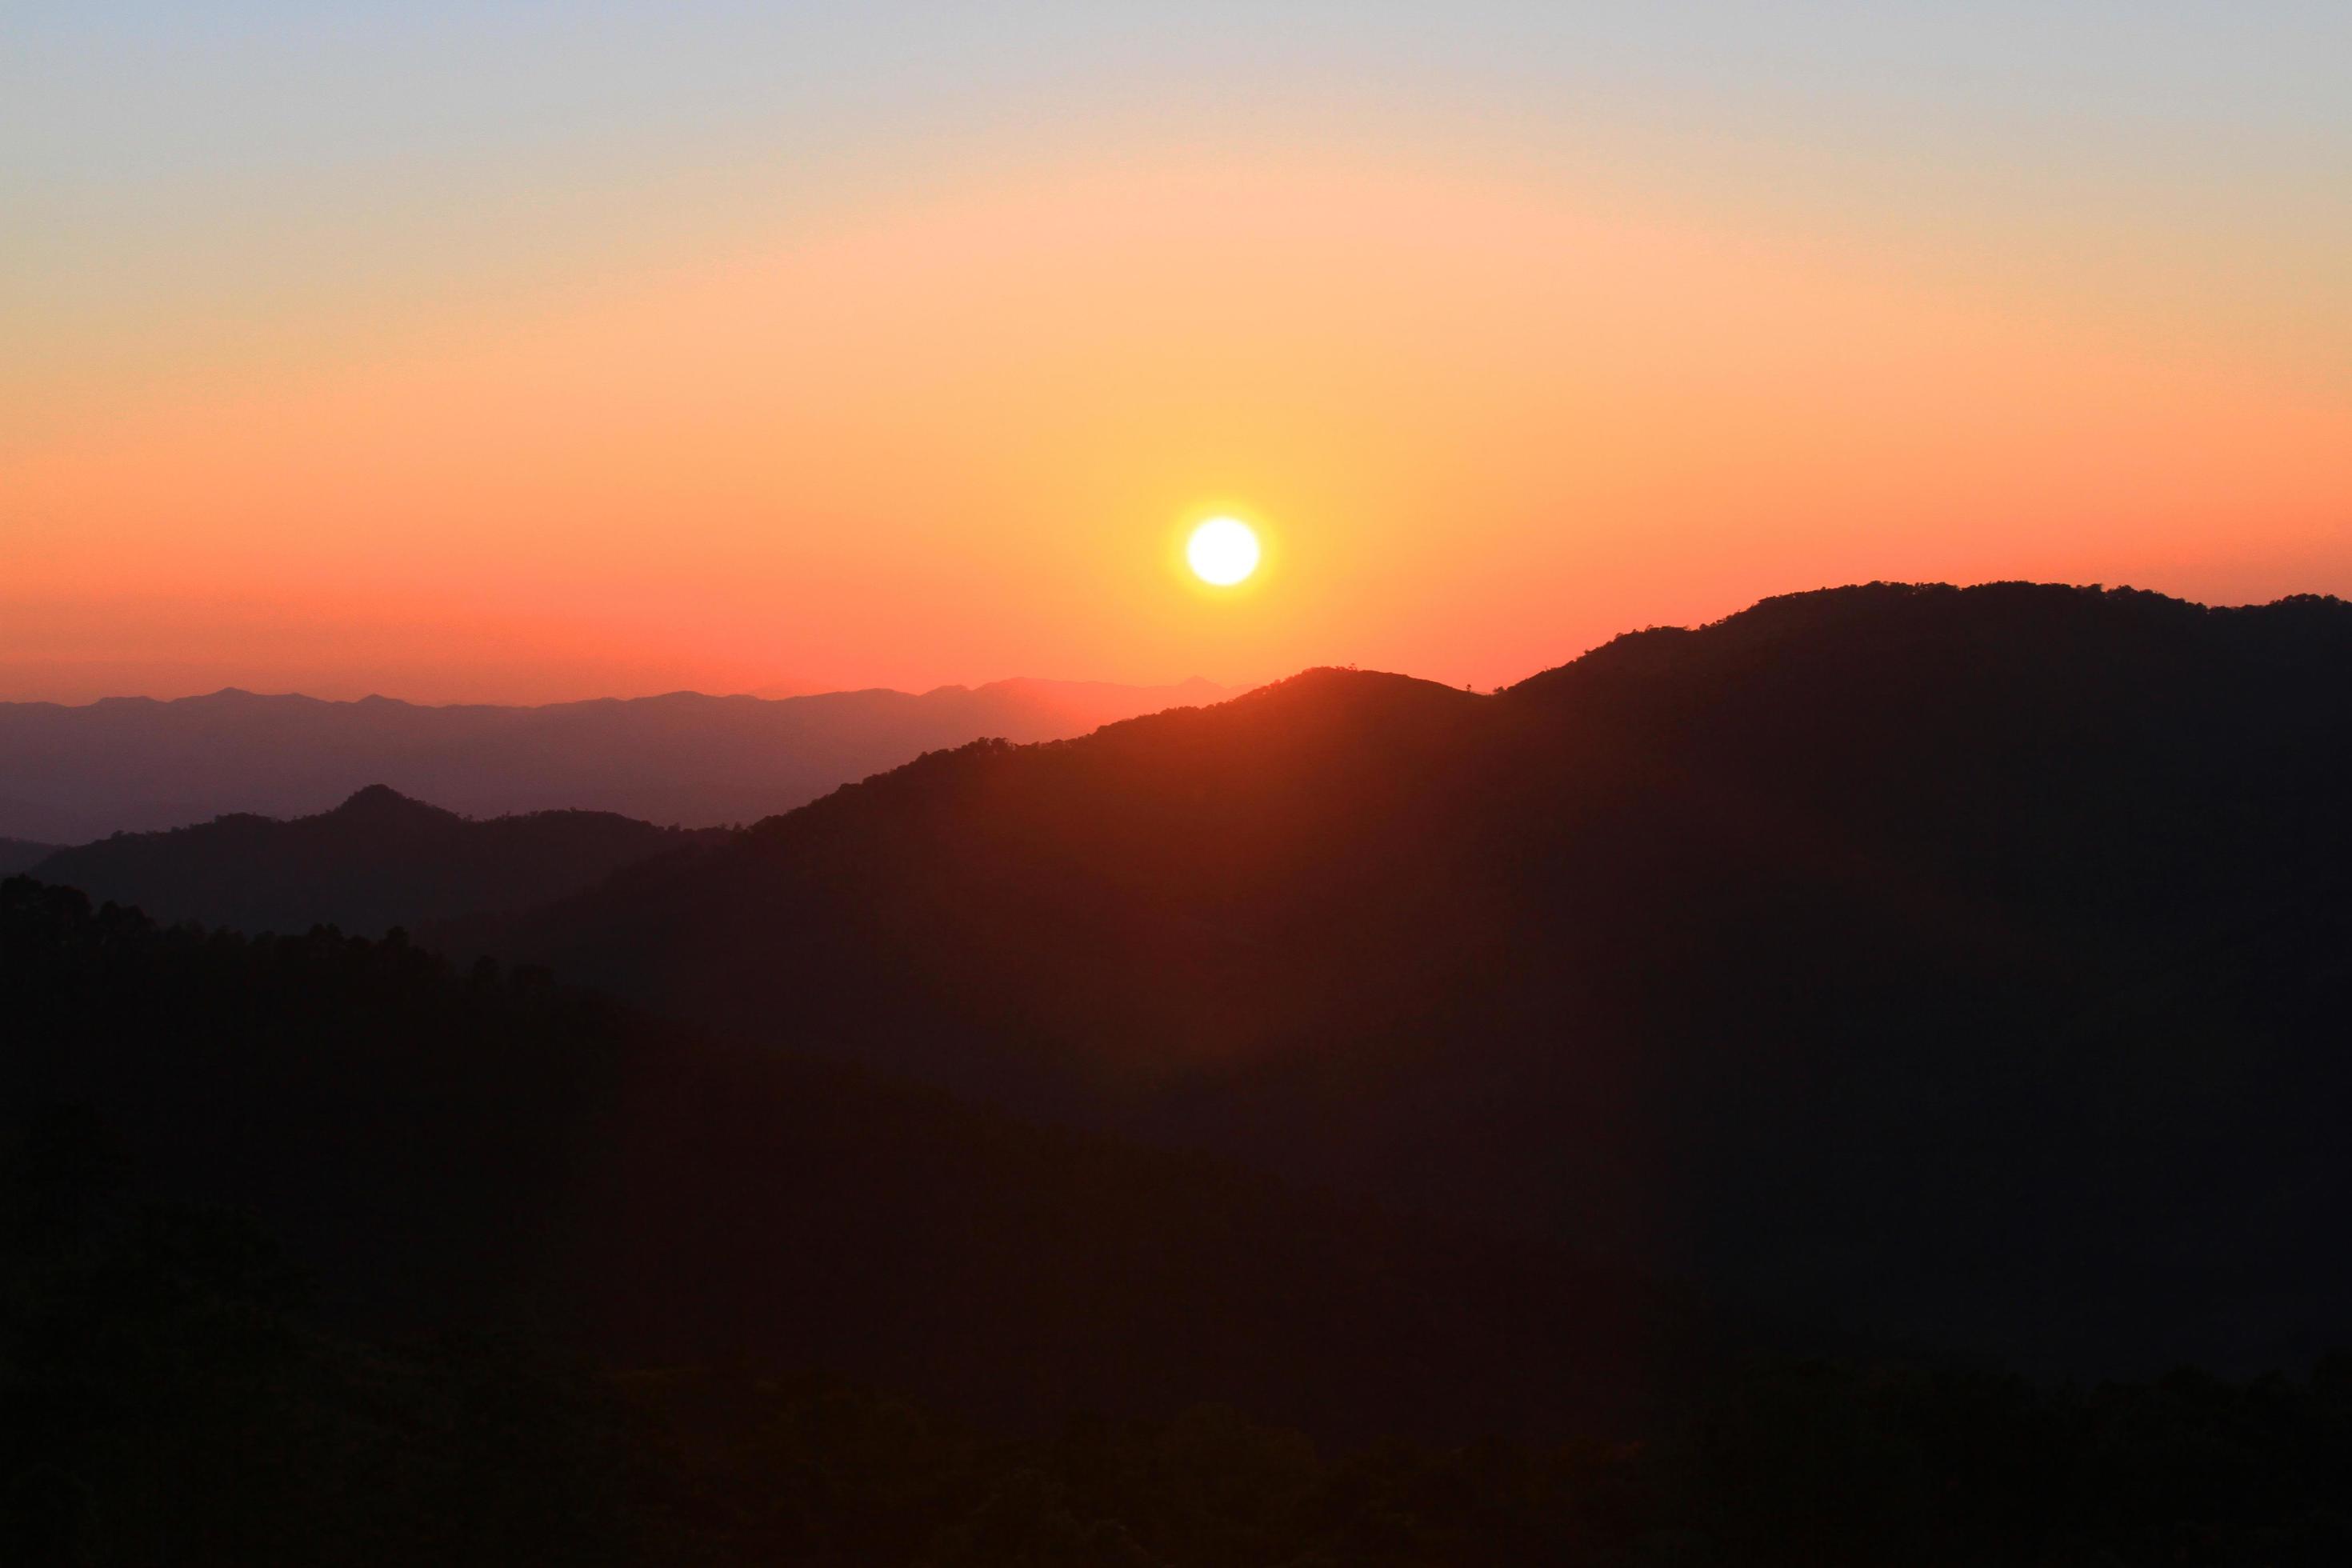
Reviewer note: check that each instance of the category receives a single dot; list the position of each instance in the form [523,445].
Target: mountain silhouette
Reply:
[72,773]
[377,860]
[1961,964]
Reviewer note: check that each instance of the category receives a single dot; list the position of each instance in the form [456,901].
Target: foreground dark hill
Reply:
[1970,964]
[376,861]
[71,773]
[490,1151]
[537,1175]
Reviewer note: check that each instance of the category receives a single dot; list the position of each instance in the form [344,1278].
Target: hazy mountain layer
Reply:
[376,861]
[20,854]
[1970,964]
[132,764]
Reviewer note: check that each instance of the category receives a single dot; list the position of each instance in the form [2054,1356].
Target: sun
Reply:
[1223,551]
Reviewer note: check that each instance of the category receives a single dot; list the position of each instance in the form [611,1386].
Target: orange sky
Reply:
[1487,405]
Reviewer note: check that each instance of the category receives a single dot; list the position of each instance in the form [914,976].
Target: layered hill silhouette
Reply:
[1964,964]
[132,764]
[479,1152]
[376,861]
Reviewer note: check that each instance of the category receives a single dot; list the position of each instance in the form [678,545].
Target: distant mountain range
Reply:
[72,773]
[1964,964]
[377,860]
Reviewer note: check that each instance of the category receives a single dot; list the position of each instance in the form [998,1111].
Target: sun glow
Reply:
[1223,551]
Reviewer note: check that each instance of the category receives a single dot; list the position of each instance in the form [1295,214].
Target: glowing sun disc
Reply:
[1223,551]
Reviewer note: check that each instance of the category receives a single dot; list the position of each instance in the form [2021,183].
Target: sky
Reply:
[521,353]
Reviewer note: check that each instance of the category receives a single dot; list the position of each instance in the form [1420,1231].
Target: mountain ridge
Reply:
[73,773]
[377,860]
[1722,950]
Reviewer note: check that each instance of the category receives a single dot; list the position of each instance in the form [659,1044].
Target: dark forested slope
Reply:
[1967,963]
[493,1151]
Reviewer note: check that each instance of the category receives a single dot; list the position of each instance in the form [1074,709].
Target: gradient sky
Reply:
[516,353]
